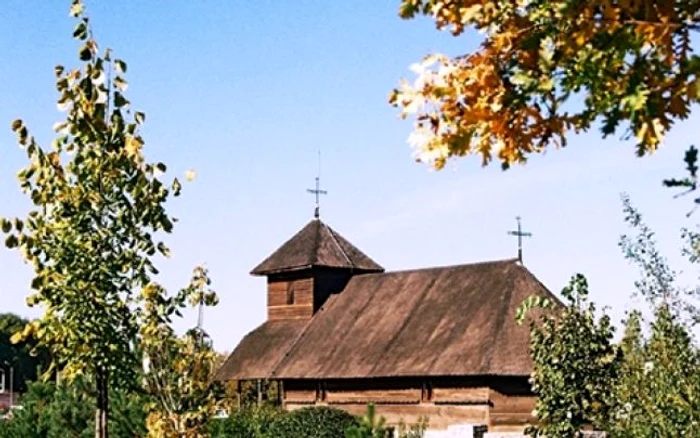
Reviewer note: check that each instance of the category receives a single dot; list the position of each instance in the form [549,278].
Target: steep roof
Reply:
[261,350]
[446,321]
[316,245]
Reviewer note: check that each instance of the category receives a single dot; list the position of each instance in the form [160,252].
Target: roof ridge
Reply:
[345,255]
[534,278]
[317,243]
[459,265]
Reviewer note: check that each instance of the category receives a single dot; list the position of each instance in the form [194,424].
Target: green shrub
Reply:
[313,422]
[67,411]
[416,430]
[251,422]
[370,426]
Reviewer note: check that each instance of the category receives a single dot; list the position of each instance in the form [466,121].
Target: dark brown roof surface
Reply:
[456,320]
[261,350]
[316,244]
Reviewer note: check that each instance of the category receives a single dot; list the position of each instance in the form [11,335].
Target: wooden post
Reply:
[280,393]
[238,393]
[259,382]
[426,393]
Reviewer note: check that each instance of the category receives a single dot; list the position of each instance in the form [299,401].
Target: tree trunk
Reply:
[102,411]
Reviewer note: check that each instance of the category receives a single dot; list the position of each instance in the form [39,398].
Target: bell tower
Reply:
[307,269]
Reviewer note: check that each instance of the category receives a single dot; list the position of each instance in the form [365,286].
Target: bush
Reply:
[67,411]
[252,422]
[370,426]
[314,422]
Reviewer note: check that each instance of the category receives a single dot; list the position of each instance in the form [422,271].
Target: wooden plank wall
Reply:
[444,402]
[439,416]
[279,293]
[510,412]
[376,396]
[458,395]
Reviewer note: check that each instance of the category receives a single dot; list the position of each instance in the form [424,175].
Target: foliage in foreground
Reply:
[644,386]
[537,75]
[57,412]
[370,426]
[575,363]
[183,396]
[312,422]
[19,355]
[658,393]
[316,422]
[252,422]
[51,411]
[92,237]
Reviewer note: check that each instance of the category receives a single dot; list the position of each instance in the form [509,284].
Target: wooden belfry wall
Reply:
[290,298]
[300,294]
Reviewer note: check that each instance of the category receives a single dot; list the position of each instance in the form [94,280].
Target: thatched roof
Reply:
[316,245]
[447,321]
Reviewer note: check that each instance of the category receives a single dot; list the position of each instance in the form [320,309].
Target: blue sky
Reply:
[247,92]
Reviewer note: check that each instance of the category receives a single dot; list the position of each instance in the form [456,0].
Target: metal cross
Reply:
[317,191]
[520,233]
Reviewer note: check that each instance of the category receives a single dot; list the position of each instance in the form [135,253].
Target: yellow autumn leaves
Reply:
[545,69]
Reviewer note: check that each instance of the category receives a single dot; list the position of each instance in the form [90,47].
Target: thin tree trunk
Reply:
[102,411]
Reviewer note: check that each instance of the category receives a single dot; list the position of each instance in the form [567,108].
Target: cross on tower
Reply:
[317,191]
[520,233]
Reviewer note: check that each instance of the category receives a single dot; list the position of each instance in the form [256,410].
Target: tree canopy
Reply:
[548,68]
[95,226]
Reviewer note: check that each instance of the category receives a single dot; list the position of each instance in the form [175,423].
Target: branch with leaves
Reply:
[549,68]
[90,236]
[179,370]
[575,362]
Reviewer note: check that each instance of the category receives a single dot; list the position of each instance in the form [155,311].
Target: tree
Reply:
[657,283]
[370,426]
[575,363]
[656,393]
[25,358]
[91,235]
[645,386]
[180,369]
[57,411]
[546,68]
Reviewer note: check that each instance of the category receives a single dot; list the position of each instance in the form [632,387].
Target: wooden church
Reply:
[438,342]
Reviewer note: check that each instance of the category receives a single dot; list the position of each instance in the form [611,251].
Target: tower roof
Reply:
[316,245]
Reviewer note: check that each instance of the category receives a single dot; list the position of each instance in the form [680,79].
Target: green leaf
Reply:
[120,83]
[120,66]
[76,8]
[85,53]
[163,249]
[119,100]
[177,187]
[11,241]
[139,117]
[81,31]
[6,225]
